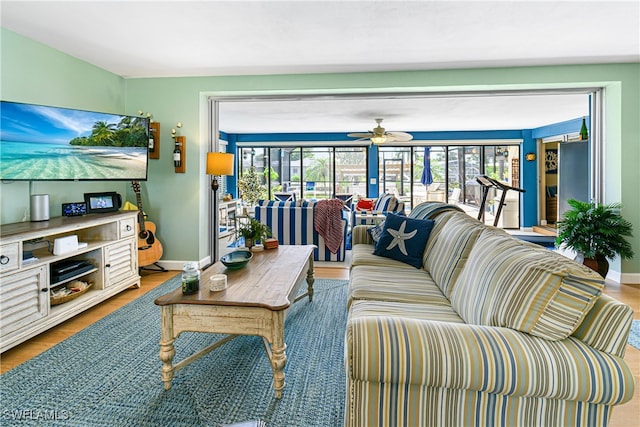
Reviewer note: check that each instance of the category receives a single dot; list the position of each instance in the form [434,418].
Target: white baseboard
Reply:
[626,278]
[172,265]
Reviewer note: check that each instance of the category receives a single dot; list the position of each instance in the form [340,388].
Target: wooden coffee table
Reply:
[255,302]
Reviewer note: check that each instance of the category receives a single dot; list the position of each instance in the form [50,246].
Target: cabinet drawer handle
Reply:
[128,227]
[4,259]
[44,290]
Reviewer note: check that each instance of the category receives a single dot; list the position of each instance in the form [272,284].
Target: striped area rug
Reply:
[109,373]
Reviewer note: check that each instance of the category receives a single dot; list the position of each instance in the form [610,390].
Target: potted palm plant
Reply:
[254,231]
[595,231]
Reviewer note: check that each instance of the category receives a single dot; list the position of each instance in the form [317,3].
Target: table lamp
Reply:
[218,164]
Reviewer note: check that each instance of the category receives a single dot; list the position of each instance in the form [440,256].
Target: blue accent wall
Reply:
[570,126]
[528,181]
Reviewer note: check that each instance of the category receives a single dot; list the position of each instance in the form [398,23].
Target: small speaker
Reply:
[40,207]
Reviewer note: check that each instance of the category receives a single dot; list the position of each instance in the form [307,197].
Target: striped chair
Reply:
[384,204]
[292,224]
[492,331]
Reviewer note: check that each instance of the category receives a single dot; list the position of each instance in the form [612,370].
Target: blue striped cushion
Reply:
[386,202]
[294,226]
[275,203]
[531,290]
[376,231]
[306,203]
[429,210]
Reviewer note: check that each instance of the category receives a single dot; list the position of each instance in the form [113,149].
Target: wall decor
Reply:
[551,161]
[179,150]
[154,140]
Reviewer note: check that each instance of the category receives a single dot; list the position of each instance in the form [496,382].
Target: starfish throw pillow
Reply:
[404,239]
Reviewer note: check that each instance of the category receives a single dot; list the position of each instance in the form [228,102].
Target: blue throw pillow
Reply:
[376,231]
[404,239]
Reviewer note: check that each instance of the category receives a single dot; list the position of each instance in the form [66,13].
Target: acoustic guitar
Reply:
[149,247]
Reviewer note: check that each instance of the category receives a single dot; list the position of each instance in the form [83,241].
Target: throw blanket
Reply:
[327,221]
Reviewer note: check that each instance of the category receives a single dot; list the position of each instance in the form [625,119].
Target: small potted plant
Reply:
[595,232]
[254,231]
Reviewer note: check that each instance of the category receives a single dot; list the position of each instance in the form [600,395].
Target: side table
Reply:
[369,218]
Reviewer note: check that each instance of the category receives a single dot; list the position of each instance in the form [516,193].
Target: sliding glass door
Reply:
[308,172]
[448,174]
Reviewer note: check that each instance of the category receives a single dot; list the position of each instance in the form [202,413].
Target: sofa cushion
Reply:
[363,255]
[429,210]
[276,203]
[404,239]
[406,310]
[376,231]
[410,285]
[606,326]
[510,284]
[452,238]
[386,203]
[295,226]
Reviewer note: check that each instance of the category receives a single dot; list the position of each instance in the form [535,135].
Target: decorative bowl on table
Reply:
[236,259]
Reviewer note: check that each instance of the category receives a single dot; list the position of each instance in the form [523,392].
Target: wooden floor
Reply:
[627,415]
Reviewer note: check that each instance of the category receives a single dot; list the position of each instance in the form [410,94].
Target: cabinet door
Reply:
[24,298]
[120,260]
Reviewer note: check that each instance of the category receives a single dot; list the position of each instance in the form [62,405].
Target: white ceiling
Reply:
[211,38]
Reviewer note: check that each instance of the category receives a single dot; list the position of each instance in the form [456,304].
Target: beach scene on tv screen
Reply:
[50,143]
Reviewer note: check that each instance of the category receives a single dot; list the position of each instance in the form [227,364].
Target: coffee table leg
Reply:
[310,278]
[278,355]
[167,350]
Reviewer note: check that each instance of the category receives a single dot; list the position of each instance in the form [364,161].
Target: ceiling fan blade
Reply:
[399,136]
[360,135]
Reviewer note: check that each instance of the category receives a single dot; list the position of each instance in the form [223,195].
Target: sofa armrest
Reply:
[360,234]
[480,358]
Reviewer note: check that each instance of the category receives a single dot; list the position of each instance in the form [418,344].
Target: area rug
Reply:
[109,373]
[634,336]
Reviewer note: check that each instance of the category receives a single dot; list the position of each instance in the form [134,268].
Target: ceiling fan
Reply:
[378,135]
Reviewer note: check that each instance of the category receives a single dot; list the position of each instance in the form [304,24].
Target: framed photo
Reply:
[102,202]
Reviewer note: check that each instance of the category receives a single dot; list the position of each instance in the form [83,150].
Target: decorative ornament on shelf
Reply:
[179,150]
[154,135]
[250,186]
[584,132]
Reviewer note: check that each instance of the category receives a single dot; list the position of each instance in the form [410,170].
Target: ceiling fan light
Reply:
[378,139]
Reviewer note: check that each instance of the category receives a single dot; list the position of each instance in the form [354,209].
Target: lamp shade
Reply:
[219,164]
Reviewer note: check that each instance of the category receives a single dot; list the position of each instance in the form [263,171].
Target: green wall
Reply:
[34,73]
[177,203]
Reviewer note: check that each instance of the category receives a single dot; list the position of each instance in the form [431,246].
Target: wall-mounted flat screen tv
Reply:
[42,143]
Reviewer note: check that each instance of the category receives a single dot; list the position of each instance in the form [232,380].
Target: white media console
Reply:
[25,285]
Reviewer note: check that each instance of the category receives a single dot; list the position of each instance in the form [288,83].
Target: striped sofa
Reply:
[291,223]
[491,331]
